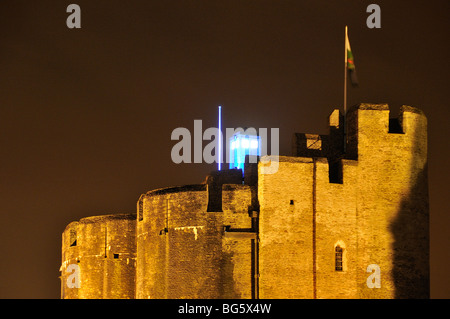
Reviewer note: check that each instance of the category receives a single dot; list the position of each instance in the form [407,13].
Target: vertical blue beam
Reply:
[219,160]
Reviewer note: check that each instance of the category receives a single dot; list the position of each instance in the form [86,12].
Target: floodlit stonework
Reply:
[311,230]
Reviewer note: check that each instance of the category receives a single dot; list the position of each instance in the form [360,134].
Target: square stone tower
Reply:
[349,220]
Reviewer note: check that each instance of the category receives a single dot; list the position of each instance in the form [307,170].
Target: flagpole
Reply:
[345,89]
[345,73]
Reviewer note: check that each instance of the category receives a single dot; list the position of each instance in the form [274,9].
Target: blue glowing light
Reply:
[241,146]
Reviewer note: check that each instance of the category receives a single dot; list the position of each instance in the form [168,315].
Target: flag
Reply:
[350,62]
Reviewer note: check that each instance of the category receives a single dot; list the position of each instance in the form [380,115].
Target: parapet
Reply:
[177,189]
[108,217]
[319,145]
[377,116]
[369,125]
[369,107]
[366,120]
[70,232]
[284,159]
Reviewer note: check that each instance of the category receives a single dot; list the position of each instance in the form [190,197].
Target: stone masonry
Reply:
[342,204]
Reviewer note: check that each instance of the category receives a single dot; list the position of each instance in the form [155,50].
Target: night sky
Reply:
[86,114]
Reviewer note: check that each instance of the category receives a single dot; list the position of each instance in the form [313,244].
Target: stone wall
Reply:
[392,200]
[285,229]
[377,212]
[104,249]
[363,195]
[186,251]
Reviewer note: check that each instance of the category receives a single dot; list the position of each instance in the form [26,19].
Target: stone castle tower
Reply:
[335,221]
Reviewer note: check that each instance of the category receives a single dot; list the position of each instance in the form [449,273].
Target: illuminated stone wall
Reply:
[186,251]
[377,212]
[104,249]
[276,235]
[392,200]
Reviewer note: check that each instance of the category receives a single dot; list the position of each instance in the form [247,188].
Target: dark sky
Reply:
[86,114]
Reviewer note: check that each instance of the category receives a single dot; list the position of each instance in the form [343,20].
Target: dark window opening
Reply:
[116,256]
[291,202]
[395,127]
[141,210]
[335,174]
[338,258]
[73,237]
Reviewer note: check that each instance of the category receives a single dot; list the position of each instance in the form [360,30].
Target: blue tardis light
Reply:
[242,145]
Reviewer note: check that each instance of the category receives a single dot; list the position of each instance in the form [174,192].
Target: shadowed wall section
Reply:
[410,227]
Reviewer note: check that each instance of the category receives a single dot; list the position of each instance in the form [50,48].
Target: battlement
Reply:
[370,127]
[362,119]
[368,132]
[359,192]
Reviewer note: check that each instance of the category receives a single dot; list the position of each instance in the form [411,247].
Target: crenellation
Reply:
[326,217]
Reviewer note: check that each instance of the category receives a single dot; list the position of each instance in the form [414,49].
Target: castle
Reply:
[337,220]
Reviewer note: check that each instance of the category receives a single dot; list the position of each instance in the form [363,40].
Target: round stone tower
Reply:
[99,258]
[190,243]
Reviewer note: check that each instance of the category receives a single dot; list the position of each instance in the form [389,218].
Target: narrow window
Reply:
[291,202]
[335,173]
[338,258]
[141,210]
[73,237]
